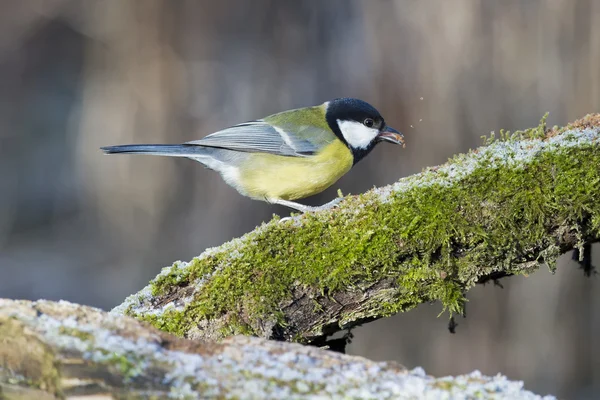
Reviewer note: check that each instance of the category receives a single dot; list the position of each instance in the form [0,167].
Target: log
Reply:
[59,350]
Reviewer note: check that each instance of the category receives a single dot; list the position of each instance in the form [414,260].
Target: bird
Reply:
[286,156]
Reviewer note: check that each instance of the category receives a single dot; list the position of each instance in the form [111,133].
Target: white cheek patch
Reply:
[356,134]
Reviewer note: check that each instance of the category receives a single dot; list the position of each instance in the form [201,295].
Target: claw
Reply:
[295,218]
[303,208]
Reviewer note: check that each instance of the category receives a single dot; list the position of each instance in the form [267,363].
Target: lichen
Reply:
[26,360]
[434,233]
[127,360]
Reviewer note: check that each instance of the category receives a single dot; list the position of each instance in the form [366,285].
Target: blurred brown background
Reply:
[77,75]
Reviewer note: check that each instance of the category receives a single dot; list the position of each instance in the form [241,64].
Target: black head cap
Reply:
[349,109]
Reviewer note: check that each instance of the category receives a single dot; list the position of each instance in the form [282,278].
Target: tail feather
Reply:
[173,150]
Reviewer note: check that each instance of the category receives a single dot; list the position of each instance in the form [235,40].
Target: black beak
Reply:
[391,135]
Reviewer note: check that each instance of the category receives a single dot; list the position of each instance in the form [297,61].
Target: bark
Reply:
[60,350]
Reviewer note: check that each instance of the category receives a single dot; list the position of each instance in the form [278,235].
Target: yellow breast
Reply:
[268,176]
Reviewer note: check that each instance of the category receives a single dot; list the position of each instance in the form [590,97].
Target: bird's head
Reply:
[359,125]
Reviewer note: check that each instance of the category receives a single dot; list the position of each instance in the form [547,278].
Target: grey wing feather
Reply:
[258,137]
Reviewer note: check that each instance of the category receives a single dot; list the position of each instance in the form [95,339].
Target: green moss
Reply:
[434,239]
[84,336]
[173,321]
[538,132]
[127,365]
[174,277]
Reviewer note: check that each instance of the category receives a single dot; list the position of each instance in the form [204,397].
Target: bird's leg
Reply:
[302,207]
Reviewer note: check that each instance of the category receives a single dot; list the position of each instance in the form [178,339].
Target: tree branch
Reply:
[61,350]
[503,209]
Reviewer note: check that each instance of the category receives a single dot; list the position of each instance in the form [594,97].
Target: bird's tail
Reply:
[173,150]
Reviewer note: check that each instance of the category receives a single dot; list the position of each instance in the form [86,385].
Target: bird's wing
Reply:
[261,137]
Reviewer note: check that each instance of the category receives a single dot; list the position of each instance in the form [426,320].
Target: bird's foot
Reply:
[303,208]
[326,206]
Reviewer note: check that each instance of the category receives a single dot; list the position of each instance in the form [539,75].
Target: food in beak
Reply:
[391,135]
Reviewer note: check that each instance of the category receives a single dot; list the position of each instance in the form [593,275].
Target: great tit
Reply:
[286,156]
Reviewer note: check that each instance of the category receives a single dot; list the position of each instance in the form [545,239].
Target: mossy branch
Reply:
[61,350]
[503,209]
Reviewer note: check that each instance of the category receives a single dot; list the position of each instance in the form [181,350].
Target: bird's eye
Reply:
[369,122]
